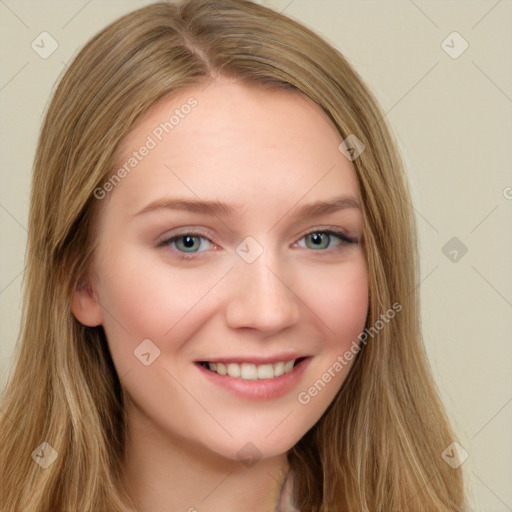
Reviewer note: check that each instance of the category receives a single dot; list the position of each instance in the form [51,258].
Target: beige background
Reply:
[453,119]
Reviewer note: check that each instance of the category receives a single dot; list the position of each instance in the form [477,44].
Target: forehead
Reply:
[233,142]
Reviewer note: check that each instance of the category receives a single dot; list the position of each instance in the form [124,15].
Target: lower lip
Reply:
[265,389]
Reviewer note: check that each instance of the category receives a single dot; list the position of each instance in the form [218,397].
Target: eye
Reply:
[187,242]
[321,239]
[190,243]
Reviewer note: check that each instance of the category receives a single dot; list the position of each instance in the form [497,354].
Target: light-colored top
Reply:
[286,495]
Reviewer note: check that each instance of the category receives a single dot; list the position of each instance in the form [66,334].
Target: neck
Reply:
[166,473]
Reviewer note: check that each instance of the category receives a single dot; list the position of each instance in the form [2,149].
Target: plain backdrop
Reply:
[450,108]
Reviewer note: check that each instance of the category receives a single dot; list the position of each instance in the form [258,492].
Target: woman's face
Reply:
[250,285]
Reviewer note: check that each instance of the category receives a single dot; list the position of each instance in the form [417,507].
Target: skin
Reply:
[267,153]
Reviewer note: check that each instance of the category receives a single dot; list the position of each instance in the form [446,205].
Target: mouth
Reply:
[252,371]
[255,378]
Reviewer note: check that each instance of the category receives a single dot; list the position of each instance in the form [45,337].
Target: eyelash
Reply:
[343,238]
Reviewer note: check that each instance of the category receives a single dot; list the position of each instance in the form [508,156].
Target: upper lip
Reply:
[253,359]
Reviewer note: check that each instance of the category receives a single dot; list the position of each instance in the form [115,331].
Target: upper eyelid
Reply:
[335,231]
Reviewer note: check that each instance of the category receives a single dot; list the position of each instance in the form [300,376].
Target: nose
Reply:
[262,296]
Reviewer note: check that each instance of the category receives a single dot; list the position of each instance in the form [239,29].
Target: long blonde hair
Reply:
[378,446]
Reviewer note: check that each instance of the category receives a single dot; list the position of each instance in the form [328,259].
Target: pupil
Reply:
[189,241]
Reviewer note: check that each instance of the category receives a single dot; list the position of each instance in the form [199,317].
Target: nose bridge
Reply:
[260,296]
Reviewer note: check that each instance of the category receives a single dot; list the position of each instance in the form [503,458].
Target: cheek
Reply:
[144,300]
[341,303]
[342,307]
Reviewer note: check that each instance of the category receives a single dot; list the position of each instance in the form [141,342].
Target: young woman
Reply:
[221,304]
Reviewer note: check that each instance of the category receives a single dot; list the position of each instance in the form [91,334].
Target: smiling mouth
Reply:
[251,371]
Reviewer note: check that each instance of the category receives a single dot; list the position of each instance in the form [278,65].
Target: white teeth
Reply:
[288,367]
[278,369]
[265,371]
[233,370]
[250,371]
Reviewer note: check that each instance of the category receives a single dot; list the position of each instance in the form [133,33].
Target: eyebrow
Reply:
[220,208]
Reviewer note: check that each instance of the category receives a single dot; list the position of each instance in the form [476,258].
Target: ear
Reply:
[85,306]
